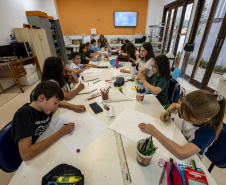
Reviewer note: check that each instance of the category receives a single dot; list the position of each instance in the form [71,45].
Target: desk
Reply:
[15,69]
[100,161]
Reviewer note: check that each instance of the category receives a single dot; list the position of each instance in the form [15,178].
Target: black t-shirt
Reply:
[27,122]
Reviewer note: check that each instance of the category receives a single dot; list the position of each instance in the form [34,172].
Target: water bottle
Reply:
[133,70]
[117,63]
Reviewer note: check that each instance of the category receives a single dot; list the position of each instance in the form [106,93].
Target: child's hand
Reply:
[163,116]
[148,128]
[69,72]
[141,77]
[78,108]
[67,128]
[80,86]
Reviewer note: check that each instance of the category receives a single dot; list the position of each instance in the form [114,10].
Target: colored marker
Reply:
[167,114]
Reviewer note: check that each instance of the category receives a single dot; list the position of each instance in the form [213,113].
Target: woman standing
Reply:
[102,42]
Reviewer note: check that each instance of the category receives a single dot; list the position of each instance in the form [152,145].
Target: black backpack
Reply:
[59,171]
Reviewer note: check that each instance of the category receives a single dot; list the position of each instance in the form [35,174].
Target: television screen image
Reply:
[125,19]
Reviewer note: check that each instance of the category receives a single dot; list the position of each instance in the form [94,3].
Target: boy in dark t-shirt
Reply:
[31,120]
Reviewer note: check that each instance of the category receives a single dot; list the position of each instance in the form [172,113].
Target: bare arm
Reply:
[28,150]
[76,71]
[76,108]
[181,152]
[73,93]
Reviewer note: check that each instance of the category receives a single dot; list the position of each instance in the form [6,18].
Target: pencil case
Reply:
[172,174]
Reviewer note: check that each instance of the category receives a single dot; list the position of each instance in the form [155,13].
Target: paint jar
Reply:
[140,96]
[143,160]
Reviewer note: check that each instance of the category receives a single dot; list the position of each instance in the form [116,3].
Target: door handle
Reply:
[220,42]
[216,42]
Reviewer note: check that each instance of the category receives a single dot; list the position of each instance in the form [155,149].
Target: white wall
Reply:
[154,15]
[12,15]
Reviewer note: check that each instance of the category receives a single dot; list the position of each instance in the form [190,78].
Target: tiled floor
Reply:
[7,111]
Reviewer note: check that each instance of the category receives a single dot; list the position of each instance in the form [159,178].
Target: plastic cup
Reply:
[143,160]
[104,93]
[140,96]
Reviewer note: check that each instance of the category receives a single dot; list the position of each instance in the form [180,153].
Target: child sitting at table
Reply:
[144,63]
[76,67]
[90,53]
[131,50]
[94,47]
[55,69]
[202,113]
[159,82]
[83,53]
[31,120]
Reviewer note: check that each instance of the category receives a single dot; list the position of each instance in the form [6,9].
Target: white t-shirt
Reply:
[141,64]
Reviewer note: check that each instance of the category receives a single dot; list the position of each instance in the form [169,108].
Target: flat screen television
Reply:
[125,19]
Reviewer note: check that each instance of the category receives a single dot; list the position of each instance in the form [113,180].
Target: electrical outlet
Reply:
[136,33]
[140,33]
[111,31]
[75,32]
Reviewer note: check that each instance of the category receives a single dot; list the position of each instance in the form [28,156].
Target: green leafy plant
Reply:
[224,70]
[218,68]
[203,63]
[178,54]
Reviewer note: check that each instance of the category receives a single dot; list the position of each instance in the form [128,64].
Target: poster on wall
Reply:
[86,38]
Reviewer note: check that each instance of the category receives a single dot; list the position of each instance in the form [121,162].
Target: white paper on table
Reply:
[127,124]
[87,128]
[91,86]
[91,71]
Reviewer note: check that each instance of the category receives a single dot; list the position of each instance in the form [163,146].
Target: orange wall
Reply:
[82,15]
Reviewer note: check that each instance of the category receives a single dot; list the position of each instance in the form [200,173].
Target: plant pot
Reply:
[177,61]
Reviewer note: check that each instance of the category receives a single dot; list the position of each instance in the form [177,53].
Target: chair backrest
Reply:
[9,154]
[217,152]
[176,73]
[173,91]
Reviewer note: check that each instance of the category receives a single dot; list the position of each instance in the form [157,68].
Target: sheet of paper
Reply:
[91,86]
[127,124]
[116,72]
[91,71]
[87,128]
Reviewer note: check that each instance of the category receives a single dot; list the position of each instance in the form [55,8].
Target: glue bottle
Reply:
[133,70]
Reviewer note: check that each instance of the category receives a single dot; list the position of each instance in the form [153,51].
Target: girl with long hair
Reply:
[144,63]
[202,113]
[54,69]
[159,82]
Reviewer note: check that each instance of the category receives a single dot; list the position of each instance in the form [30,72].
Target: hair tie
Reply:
[219,97]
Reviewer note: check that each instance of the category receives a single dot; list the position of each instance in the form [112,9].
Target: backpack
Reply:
[182,93]
[59,171]
[124,58]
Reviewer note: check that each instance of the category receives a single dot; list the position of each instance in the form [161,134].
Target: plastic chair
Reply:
[10,158]
[176,73]
[217,152]
[173,91]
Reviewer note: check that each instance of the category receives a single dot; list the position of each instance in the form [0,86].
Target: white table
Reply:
[100,161]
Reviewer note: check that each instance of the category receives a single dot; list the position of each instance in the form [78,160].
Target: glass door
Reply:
[207,41]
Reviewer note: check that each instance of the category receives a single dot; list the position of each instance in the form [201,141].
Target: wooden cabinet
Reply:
[37,40]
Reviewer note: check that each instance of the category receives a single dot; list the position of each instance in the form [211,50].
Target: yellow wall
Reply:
[83,15]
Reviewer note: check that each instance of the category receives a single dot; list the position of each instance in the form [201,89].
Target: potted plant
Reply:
[177,59]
